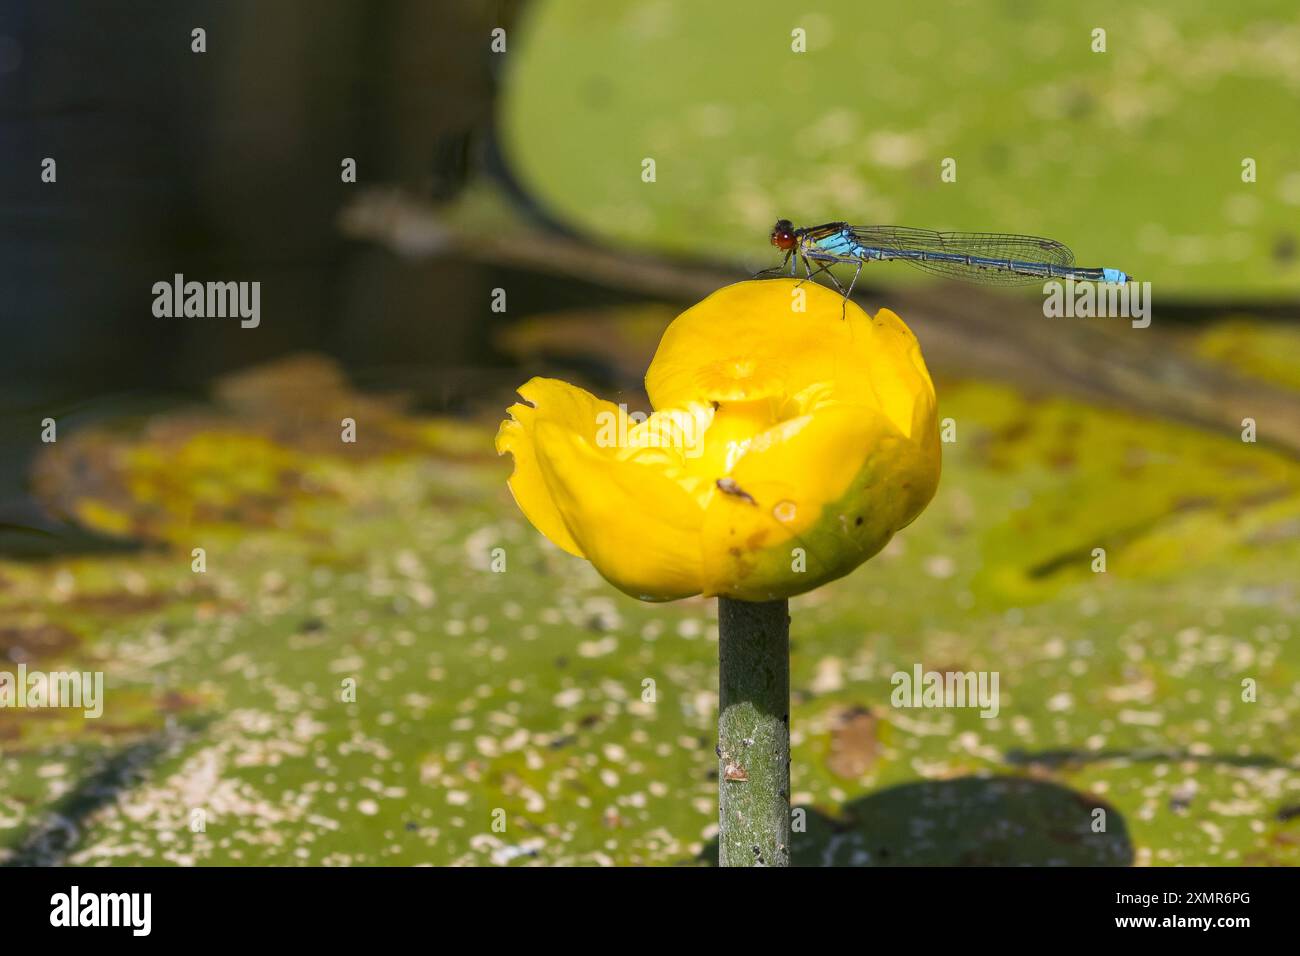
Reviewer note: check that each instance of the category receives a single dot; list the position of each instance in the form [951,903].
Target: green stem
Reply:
[754,733]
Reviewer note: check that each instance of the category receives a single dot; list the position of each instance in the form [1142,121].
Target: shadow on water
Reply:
[26,543]
[1073,757]
[970,821]
[52,839]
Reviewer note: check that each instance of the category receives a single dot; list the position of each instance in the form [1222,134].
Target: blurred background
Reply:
[520,168]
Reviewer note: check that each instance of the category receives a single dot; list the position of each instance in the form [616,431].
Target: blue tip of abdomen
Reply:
[1113,275]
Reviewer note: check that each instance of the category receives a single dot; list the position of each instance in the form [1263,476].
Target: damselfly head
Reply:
[783,234]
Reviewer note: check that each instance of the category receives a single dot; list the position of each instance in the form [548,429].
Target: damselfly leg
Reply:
[849,294]
[775,271]
[824,265]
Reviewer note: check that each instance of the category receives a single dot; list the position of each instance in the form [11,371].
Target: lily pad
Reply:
[1133,156]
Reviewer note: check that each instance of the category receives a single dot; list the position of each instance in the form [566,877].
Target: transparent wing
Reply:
[990,245]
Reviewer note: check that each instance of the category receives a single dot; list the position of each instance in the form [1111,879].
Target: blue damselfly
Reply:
[990,258]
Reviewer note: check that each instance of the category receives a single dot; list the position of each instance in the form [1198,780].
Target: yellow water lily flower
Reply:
[791,439]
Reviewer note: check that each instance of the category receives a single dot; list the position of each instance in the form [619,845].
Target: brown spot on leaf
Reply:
[25,643]
[118,602]
[1061,458]
[175,702]
[854,745]
[1284,249]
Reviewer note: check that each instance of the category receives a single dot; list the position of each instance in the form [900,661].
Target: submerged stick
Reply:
[754,733]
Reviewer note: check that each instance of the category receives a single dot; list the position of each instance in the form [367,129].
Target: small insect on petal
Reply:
[728,486]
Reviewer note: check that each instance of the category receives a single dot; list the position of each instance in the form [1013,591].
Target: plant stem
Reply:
[754,733]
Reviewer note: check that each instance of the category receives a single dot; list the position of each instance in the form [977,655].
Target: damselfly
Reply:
[991,258]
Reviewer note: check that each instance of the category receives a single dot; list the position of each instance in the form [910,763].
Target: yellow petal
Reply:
[552,401]
[818,483]
[897,373]
[749,341]
[638,527]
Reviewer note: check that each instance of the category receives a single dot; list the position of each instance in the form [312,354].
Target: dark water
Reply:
[225,166]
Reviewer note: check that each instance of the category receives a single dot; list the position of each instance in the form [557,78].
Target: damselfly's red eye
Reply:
[783,235]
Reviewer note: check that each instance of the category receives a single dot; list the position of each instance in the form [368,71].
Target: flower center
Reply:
[734,426]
